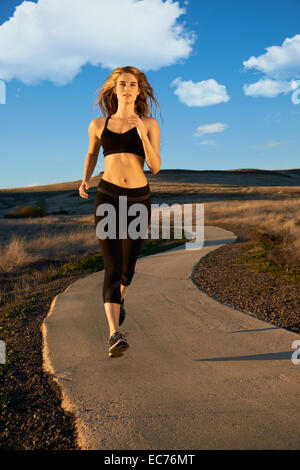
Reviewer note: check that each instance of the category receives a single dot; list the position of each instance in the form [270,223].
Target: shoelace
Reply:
[121,335]
[124,334]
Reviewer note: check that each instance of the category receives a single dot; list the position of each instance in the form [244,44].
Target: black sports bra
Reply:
[118,142]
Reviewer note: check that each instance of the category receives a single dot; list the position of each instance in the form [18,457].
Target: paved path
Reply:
[198,374]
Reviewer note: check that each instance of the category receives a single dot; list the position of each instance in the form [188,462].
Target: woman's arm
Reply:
[90,159]
[151,146]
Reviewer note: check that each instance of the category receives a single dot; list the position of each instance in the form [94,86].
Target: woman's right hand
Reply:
[84,186]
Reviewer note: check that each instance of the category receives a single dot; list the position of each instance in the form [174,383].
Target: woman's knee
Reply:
[126,279]
[112,292]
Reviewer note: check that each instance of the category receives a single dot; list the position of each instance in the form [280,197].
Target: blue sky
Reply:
[226,75]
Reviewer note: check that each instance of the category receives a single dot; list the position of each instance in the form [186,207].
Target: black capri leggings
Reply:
[120,254]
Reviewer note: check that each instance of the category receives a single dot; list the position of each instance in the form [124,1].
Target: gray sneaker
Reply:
[122,313]
[117,344]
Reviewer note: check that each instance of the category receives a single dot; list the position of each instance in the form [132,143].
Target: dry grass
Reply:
[79,241]
[29,245]
[37,248]
[75,237]
[13,254]
[278,218]
[18,251]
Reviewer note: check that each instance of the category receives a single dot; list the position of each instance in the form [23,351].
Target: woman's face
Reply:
[127,85]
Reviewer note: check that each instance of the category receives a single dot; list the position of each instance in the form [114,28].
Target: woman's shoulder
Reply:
[99,121]
[152,125]
[98,124]
[150,122]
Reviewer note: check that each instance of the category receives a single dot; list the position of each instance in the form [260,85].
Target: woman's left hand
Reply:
[140,126]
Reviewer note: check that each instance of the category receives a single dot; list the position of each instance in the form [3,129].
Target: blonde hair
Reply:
[108,101]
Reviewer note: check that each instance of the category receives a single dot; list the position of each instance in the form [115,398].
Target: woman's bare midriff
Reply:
[124,169]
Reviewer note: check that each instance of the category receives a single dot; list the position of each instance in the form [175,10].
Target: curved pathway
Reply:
[198,374]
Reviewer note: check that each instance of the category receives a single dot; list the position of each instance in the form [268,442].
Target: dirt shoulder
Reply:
[269,297]
[31,415]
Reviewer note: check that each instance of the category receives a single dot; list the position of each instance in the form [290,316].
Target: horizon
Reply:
[244,170]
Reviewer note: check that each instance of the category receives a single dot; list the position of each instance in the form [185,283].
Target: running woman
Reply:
[129,136]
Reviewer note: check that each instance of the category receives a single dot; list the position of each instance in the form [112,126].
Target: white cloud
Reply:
[204,93]
[275,144]
[279,62]
[281,66]
[272,144]
[53,39]
[210,129]
[267,87]
[208,142]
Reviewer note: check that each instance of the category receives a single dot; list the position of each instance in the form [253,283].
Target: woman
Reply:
[128,137]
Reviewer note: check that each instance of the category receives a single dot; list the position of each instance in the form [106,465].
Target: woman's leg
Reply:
[111,249]
[112,256]
[130,252]
[120,255]
[131,248]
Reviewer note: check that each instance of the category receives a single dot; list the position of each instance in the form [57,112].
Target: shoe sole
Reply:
[118,348]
